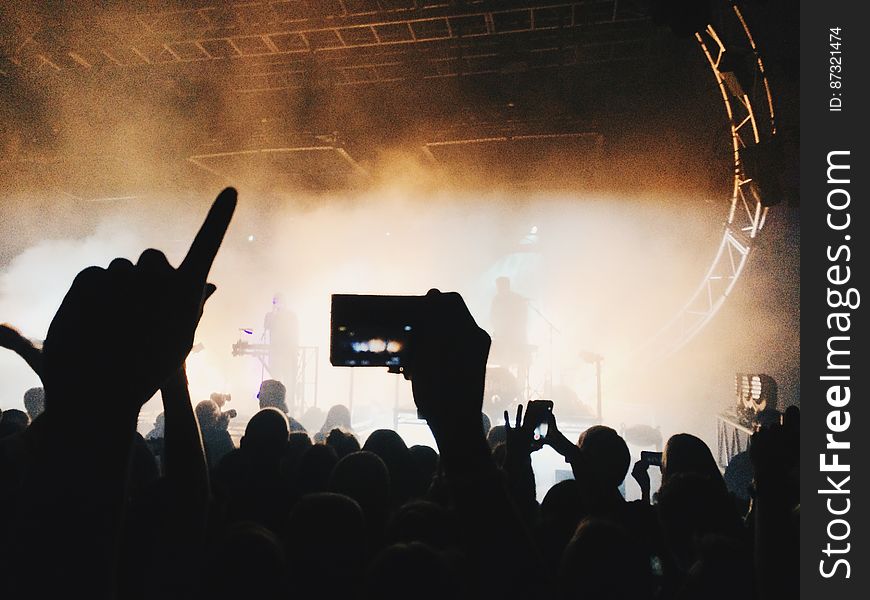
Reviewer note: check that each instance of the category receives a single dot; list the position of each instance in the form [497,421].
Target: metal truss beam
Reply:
[203,160]
[751,118]
[274,37]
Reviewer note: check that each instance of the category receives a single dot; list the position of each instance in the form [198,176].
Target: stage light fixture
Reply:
[755,394]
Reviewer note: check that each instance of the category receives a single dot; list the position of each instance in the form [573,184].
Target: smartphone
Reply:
[651,458]
[372,331]
[538,412]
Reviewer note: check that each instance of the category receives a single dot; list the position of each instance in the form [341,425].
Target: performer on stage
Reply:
[509,317]
[225,415]
[281,332]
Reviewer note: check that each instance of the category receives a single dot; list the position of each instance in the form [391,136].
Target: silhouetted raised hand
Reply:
[521,442]
[558,442]
[521,437]
[72,515]
[594,470]
[11,339]
[183,522]
[449,367]
[640,473]
[774,450]
[150,307]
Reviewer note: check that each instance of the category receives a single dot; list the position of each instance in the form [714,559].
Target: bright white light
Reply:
[377,345]
[458,243]
[534,229]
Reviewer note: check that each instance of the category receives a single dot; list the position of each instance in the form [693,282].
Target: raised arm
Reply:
[184,519]
[595,494]
[11,339]
[520,440]
[73,496]
[449,365]
[185,466]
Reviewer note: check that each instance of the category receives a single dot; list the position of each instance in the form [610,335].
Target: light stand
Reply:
[596,359]
[551,329]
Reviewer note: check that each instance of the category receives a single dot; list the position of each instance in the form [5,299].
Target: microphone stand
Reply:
[551,329]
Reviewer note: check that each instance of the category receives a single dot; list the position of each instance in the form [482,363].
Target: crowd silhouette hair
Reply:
[92,509]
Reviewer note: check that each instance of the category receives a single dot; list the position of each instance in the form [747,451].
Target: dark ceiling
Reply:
[325,87]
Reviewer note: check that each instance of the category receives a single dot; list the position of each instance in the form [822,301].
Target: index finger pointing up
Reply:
[203,250]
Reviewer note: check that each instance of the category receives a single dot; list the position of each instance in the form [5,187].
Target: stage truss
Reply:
[750,114]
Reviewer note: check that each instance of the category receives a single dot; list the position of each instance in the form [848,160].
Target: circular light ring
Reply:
[751,118]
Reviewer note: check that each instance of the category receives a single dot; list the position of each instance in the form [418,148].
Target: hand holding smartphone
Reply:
[372,331]
[651,458]
[538,417]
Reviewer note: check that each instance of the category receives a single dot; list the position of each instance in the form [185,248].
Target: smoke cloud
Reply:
[606,247]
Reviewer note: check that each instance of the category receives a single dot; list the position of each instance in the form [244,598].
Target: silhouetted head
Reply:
[692,506]
[685,453]
[390,446]
[344,442]
[363,476]
[297,443]
[273,394]
[13,421]
[791,418]
[207,414]
[561,512]
[769,417]
[313,419]
[422,521]
[739,475]
[326,519]
[712,576]
[607,454]
[487,424]
[497,435]
[400,568]
[563,501]
[314,468]
[602,561]
[34,402]
[425,462]
[325,538]
[338,416]
[499,454]
[257,561]
[266,434]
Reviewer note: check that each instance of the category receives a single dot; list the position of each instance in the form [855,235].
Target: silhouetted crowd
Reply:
[92,509]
